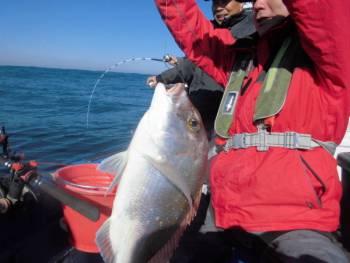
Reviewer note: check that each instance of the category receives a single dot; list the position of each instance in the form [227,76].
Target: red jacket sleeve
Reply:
[323,27]
[210,49]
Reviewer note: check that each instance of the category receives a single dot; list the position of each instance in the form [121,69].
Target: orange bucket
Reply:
[85,182]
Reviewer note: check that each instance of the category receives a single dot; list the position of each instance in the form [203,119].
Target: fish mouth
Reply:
[163,95]
[167,96]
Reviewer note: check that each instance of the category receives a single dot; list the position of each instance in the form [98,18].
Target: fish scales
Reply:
[161,175]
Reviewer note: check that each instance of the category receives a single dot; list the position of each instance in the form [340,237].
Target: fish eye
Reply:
[193,124]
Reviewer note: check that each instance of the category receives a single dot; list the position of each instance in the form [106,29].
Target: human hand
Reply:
[152,81]
[172,60]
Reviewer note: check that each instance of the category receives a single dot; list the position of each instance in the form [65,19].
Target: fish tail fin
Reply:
[103,242]
[166,252]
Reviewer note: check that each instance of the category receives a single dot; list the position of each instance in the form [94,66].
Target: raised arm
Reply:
[209,48]
[323,26]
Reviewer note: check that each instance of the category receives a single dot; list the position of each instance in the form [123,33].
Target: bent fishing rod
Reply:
[25,174]
[166,59]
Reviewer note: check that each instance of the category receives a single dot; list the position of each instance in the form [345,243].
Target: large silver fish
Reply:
[162,173]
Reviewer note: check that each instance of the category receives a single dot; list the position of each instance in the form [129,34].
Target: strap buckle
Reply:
[262,140]
[236,142]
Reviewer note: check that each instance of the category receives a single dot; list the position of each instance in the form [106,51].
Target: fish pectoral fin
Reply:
[114,165]
[103,242]
[174,178]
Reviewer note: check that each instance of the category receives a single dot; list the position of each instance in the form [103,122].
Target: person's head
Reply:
[224,9]
[269,13]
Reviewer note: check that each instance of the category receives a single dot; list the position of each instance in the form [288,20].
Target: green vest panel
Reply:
[274,91]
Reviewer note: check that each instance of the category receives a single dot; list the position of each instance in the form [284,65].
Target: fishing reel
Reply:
[18,175]
[172,60]
[21,177]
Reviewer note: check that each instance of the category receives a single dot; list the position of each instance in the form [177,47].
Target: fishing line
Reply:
[164,60]
[110,69]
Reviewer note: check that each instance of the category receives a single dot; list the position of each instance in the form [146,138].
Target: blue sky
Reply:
[84,34]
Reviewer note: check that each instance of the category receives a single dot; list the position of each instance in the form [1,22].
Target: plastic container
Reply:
[85,182]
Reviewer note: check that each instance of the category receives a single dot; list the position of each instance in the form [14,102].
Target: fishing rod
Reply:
[25,175]
[166,58]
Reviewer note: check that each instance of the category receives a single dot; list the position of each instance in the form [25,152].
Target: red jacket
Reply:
[280,189]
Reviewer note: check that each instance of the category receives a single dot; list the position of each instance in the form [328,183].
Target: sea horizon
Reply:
[79,69]
[44,110]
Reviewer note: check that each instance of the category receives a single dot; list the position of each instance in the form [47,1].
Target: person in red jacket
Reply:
[203,91]
[285,110]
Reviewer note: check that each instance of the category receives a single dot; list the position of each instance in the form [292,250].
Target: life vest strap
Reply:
[263,139]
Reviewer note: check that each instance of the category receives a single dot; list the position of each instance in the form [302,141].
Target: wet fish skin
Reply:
[161,177]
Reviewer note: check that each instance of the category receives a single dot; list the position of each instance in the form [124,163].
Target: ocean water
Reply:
[45,113]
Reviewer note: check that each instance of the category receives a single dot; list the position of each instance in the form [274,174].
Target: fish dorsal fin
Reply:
[173,176]
[114,165]
[103,242]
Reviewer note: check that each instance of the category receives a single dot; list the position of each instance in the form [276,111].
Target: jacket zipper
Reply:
[318,178]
